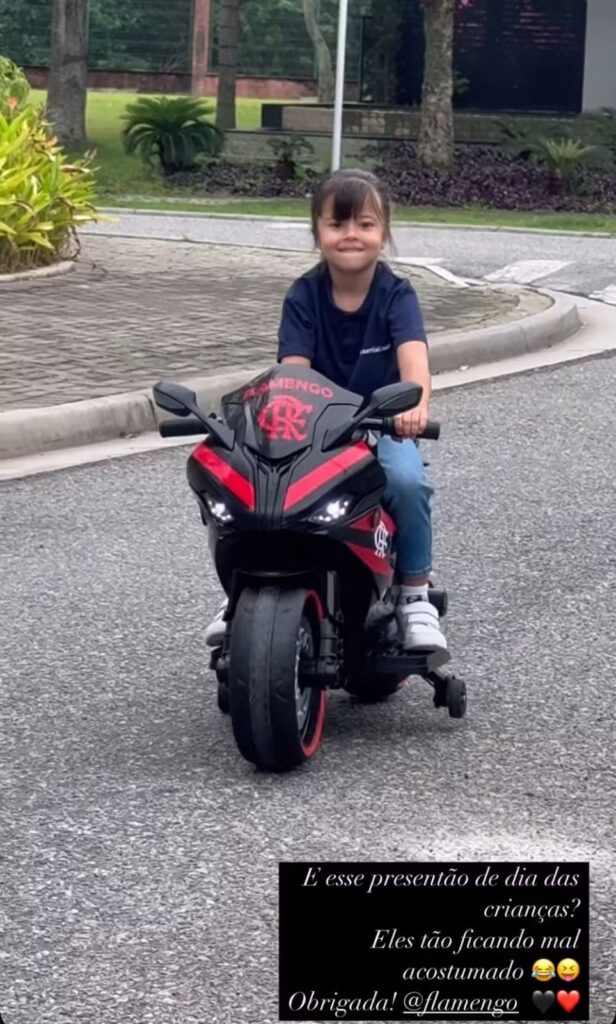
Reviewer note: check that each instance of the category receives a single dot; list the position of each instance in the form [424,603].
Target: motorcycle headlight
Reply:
[219,510]
[332,511]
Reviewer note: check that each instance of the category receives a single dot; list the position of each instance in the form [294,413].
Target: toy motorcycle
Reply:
[290,489]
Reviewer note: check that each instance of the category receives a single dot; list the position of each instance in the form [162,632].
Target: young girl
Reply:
[353,320]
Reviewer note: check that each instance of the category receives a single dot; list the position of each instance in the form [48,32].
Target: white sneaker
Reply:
[215,632]
[419,625]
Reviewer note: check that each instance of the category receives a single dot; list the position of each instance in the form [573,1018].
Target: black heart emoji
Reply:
[543,1000]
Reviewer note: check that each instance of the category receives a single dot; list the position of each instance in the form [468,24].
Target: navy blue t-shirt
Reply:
[356,350]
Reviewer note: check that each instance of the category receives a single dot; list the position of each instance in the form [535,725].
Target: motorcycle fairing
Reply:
[275,484]
[225,474]
[277,469]
[371,538]
[278,412]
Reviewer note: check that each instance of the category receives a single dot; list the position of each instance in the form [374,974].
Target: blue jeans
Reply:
[407,499]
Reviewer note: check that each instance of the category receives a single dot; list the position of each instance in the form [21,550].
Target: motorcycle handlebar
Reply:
[387,425]
[191,426]
[181,428]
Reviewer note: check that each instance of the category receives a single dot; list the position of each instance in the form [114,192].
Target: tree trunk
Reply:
[436,137]
[228,47]
[68,68]
[321,49]
[201,22]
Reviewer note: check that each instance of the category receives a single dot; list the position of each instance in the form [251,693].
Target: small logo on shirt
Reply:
[284,417]
[375,348]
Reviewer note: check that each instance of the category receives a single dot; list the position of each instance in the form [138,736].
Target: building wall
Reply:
[155,82]
[600,67]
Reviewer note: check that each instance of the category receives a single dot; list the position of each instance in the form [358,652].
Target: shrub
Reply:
[43,198]
[288,152]
[170,132]
[243,179]
[563,157]
[601,127]
[14,87]
[480,176]
[489,177]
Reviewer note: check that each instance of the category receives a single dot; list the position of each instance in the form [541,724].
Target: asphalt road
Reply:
[578,264]
[140,851]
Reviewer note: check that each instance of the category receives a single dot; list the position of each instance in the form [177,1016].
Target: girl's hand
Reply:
[412,423]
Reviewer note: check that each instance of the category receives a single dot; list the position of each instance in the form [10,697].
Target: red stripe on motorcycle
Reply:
[323,474]
[227,475]
[371,559]
[364,523]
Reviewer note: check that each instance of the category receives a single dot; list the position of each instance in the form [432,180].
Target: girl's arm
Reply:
[414,367]
[298,360]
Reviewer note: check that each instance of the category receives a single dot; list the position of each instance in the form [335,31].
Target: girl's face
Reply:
[351,245]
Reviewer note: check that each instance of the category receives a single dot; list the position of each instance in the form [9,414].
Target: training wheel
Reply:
[456,697]
[222,697]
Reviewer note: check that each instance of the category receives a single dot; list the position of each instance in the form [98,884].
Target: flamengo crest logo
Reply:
[381,540]
[284,417]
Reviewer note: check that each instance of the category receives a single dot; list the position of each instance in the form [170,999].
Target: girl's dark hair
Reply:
[350,190]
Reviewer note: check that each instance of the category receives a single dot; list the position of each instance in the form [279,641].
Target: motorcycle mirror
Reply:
[182,401]
[391,400]
[175,398]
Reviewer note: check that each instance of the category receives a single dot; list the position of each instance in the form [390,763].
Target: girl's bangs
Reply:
[350,197]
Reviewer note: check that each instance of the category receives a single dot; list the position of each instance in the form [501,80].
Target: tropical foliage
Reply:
[14,87]
[170,133]
[289,151]
[43,197]
[563,157]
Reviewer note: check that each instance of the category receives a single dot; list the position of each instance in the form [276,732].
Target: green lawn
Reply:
[299,209]
[123,181]
[119,174]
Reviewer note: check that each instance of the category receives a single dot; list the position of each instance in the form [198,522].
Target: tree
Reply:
[436,133]
[228,46]
[202,17]
[321,49]
[68,66]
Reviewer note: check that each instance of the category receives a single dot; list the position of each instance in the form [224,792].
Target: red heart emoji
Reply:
[568,1000]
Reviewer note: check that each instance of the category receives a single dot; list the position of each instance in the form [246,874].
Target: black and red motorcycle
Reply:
[290,489]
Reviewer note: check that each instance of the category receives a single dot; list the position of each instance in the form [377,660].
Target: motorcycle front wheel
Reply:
[277,717]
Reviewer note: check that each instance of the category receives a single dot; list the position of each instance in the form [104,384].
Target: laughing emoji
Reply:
[568,969]
[543,970]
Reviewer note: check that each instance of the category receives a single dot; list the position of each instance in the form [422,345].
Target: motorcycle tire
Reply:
[277,722]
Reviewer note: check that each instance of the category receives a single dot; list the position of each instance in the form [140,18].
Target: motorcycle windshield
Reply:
[281,411]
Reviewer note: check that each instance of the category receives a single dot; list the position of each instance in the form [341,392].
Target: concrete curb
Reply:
[454,349]
[33,431]
[297,221]
[55,270]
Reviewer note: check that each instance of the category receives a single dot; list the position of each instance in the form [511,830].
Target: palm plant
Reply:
[170,131]
[288,152]
[563,157]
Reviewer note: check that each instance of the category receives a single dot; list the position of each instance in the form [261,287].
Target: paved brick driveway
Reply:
[136,310]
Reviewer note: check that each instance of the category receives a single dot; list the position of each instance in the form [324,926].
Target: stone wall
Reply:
[371,123]
[135,81]
[253,146]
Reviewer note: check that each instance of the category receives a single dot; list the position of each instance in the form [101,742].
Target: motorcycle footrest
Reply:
[412,664]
